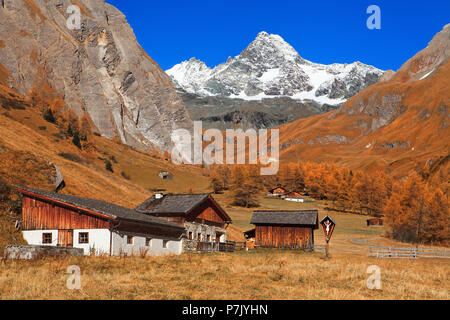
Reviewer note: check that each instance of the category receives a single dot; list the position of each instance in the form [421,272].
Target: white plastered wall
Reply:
[156,248]
[34,237]
[100,239]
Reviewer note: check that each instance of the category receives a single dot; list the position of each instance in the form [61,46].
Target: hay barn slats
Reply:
[285,229]
[40,215]
[284,236]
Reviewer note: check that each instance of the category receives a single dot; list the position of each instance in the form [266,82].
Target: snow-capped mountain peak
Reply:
[272,44]
[190,75]
[270,67]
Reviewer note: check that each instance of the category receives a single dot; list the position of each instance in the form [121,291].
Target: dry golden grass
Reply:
[260,274]
[20,132]
[8,233]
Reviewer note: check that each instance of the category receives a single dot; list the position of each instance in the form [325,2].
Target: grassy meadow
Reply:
[260,274]
[248,275]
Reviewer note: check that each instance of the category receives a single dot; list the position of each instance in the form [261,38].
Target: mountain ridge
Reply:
[270,67]
[391,125]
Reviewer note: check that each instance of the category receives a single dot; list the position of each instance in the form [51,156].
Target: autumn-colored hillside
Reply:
[30,145]
[399,124]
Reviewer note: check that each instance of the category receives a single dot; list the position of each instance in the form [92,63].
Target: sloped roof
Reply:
[301,217]
[176,204]
[325,218]
[111,210]
[279,187]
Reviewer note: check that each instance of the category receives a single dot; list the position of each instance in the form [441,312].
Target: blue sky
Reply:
[323,31]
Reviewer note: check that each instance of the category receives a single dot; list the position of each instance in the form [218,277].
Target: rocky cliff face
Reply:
[388,101]
[427,61]
[99,69]
[225,113]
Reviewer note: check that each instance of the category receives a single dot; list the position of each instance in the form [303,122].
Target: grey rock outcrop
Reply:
[32,252]
[427,61]
[99,69]
[226,113]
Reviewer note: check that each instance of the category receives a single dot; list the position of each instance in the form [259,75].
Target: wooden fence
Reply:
[319,248]
[407,253]
[316,248]
[238,246]
[228,246]
[208,246]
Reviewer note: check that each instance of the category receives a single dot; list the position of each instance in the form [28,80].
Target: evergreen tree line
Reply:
[53,110]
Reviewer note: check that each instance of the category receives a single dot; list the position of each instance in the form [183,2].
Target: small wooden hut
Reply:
[285,229]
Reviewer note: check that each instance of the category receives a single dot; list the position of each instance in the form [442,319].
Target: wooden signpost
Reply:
[328,226]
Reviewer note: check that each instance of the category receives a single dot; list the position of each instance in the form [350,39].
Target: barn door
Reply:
[65,238]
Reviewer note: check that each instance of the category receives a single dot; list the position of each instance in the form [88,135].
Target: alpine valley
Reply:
[86,112]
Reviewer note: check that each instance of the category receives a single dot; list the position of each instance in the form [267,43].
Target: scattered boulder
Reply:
[165,175]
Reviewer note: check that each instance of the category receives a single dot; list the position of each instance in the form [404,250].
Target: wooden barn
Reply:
[99,227]
[293,196]
[277,192]
[204,220]
[285,229]
[375,222]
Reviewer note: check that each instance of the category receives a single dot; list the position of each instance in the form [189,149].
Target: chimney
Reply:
[159,196]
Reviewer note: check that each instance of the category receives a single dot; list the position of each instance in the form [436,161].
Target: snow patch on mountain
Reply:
[427,74]
[269,67]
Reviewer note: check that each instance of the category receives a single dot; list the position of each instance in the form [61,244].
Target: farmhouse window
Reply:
[191,236]
[129,239]
[208,238]
[148,242]
[165,244]
[83,238]
[47,238]
[199,237]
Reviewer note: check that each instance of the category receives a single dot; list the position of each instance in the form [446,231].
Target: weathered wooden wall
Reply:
[207,214]
[292,195]
[284,236]
[40,215]
[278,191]
[375,222]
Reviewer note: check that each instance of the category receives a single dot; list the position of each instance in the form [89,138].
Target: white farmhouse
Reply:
[98,227]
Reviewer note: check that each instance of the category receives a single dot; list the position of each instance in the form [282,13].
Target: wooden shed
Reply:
[293,196]
[53,219]
[277,192]
[164,175]
[285,229]
[375,222]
